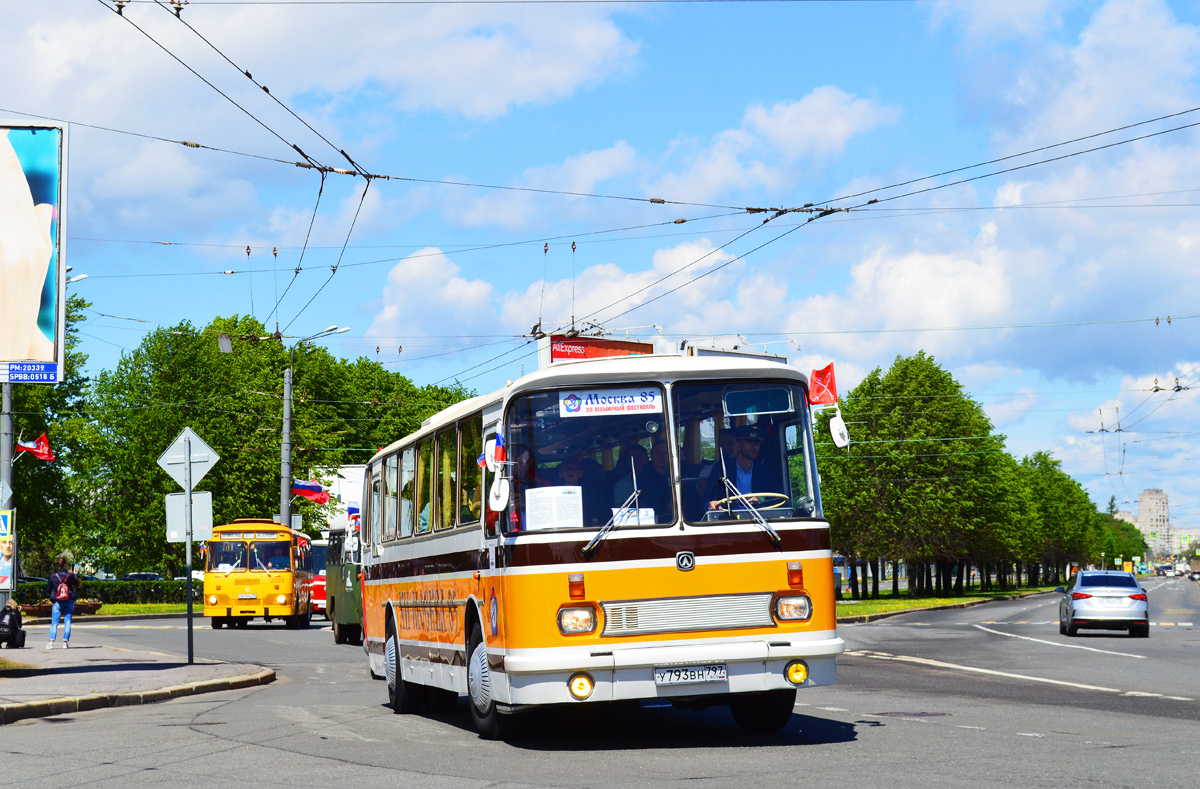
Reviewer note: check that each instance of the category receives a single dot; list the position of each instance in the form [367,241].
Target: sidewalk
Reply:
[87,677]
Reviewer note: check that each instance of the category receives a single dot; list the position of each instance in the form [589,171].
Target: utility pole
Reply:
[285,448]
[6,478]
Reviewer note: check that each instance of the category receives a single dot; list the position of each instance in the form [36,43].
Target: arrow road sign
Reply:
[203,457]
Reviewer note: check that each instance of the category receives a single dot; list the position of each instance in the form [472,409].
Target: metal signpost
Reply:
[187,460]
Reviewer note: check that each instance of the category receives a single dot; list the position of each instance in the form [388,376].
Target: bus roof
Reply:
[612,370]
[257,524]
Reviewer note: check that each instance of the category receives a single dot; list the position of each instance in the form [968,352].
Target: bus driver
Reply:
[747,474]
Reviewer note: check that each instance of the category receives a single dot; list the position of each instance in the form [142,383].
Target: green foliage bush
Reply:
[117,591]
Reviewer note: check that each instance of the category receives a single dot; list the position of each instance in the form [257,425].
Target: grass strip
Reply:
[886,603]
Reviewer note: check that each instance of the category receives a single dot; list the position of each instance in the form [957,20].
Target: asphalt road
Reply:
[991,693]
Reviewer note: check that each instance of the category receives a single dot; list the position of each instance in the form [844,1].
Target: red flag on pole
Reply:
[822,388]
[39,449]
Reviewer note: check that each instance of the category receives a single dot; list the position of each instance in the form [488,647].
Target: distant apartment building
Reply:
[1127,516]
[1154,521]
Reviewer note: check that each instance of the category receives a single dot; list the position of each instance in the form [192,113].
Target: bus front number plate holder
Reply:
[249,596]
[687,675]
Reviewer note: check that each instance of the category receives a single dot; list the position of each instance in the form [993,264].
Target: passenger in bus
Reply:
[747,474]
[655,483]
[633,458]
[570,472]
[277,557]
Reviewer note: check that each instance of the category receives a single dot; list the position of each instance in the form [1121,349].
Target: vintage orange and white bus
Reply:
[646,528]
[258,568]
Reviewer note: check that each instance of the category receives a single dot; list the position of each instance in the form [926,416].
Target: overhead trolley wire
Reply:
[202,78]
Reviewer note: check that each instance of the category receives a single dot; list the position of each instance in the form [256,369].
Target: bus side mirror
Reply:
[489,455]
[837,429]
[498,494]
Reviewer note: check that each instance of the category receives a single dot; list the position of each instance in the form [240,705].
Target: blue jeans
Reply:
[64,608]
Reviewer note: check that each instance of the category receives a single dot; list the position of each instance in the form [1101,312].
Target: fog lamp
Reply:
[281,599]
[581,686]
[212,599]
[793,607]
[577,620]
[796,672]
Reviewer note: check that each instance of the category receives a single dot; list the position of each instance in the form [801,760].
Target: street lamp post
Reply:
[285,446]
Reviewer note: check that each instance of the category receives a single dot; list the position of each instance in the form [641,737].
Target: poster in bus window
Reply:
[8,536]
[32,272]
[557,507]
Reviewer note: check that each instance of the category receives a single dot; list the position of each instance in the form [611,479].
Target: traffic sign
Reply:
[202,517]
[5,492]
[203,458]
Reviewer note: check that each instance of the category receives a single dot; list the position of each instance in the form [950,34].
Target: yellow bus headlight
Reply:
[793,607]
[581,686]
[577,620]
[282,599]
[796,672]
[212,599]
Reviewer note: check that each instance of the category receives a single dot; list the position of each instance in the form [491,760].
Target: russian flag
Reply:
[310,490]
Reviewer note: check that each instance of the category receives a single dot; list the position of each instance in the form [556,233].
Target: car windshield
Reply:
[270,556]
[1107,580]
[745,443]
[226,557]
[576,455]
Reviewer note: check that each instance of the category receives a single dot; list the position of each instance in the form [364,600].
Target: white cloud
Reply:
[446,299]
[819,124]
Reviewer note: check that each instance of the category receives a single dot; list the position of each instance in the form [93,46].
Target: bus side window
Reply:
[375,511]
[447,442]
[470,475]
[408,490]
[425,486]
[390,486]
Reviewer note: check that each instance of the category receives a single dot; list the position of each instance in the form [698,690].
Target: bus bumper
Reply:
[250,611]
[627,671]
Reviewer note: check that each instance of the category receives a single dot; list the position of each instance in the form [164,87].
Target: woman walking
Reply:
[60,588]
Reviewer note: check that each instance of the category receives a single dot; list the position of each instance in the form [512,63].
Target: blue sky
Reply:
[727,104]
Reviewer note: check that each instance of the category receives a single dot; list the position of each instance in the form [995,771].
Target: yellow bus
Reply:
[258,568]
[646,528]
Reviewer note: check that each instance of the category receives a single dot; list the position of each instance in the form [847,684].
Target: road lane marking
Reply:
[977,670]
[1029,734]
[1057,644]
[1177,698]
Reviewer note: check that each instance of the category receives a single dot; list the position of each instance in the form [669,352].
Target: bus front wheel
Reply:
[490,724]
[763,713]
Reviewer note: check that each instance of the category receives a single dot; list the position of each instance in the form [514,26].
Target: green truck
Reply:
[343,586]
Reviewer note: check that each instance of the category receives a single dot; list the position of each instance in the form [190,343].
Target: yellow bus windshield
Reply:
[273,556]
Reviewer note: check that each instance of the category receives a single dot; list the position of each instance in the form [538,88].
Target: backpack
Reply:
[62,592]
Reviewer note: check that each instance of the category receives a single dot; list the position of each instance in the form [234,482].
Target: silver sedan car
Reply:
[1104,600]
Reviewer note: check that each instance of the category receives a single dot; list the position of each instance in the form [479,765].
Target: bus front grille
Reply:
[687,614]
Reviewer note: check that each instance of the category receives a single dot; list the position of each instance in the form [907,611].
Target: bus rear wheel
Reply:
[403,696]
[763,713]
[339,633]
[488,721]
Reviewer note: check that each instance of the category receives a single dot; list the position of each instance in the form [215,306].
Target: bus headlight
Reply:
[577,620]
[793,607]
[282,599]
[212,599]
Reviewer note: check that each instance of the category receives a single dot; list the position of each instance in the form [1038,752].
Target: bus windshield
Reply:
[576,455]
[270,556]
[745,445]
[226,557]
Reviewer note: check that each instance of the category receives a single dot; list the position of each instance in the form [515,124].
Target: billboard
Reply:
[33,305]
[563,348]
[8,543]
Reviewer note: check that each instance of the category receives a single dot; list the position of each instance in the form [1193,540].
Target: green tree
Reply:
[178,378]
[42,492]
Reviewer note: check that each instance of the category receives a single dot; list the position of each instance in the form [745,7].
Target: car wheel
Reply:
[1062,629]
[1072,630]
[763,713]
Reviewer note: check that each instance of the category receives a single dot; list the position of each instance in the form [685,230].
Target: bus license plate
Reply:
[687,675]
[249,596]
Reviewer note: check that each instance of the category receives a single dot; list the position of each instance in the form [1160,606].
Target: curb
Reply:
[11,713]
[864,618]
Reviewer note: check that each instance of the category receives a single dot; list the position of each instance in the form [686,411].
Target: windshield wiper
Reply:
[258,559]
[593,545]
[758,518]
